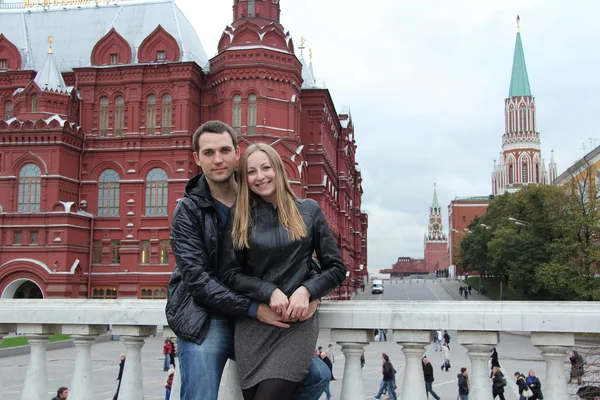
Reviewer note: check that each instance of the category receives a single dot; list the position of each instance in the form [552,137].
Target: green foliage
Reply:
[24,341]
[544,240]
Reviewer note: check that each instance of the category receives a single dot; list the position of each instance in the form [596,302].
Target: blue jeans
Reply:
[389,385]
[438,343]
[168,394]
[201,366]
[464,396]
[429,389]
[167,363]
[327,392]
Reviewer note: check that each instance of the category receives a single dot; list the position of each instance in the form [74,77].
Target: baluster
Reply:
[554,347]
[36,380]
[413,346]
[353,342]
[82,385]
[233,391]
[5,329]
[479,345]
[132,385]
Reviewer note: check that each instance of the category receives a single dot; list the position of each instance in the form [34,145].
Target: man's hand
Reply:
[298,306]
[279,302]
[267,315]
[312,309]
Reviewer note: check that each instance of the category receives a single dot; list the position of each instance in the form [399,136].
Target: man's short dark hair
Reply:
[462,370]
[61,390]
[213,127]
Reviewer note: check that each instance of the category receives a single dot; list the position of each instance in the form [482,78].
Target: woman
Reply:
[498,383]
[535,385]
[521,385]
[495,362]
[576,367]
[167,350]
[268,257]
[169,384]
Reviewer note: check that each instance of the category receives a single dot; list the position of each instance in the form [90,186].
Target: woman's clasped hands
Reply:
[297,308]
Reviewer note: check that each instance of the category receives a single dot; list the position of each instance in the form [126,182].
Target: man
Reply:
[120,375]
[62,393]
[438,340]
[428,375]
[447,339]
[201,310]
[327,362]
[388,378]
[463,384]
[331,357]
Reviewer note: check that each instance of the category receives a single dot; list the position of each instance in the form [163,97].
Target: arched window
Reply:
[252,114]
[103,123]
[30,183]
[8,110]
[156,192]
[151,115]
[166,115]
[537,173]
[236,120]
[108,194]
[34,103]
[511,174]
[522,119]
[524,173]
[119,116]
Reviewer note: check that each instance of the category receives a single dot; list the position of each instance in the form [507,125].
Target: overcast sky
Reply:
[426,83]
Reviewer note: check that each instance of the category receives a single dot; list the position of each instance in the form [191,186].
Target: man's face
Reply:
[64,394]
[216,156]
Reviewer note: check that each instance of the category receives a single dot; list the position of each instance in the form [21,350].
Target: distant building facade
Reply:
[95,138]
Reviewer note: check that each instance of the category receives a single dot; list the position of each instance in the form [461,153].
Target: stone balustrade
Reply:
[552,326]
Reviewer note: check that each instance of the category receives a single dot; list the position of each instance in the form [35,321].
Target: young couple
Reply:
[244,275]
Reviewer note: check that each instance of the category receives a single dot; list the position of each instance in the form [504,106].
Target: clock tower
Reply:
[436,241]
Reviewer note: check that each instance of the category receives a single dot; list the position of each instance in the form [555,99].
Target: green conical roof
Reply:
[435,203]
[519,81]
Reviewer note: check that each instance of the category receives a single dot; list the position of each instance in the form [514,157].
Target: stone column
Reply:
[554,347]
[233,391]
[413,346]
[36,382]
[132,386]
[5,329]
[353,342]
[479,345]
[82,385]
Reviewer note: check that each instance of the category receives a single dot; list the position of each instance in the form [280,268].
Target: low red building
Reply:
[95,133]
[406,266]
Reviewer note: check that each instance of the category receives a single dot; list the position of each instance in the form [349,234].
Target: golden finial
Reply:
[518,24]
[310,54]
[302,41]
[50,39]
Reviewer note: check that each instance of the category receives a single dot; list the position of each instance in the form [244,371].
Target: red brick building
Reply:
[95,130]
[406,266]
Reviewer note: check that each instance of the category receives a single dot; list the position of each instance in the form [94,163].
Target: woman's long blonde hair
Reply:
[288,213]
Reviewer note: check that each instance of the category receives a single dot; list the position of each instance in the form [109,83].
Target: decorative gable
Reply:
[159,46]
[10,57]
[112,49]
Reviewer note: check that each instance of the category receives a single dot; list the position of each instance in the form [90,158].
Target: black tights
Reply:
[270,389]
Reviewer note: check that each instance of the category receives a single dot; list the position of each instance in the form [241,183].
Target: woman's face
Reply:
[261,176]
[531,373]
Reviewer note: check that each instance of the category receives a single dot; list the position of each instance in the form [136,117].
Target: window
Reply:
[511,174]
[236,120]
[161,55]
[104,293]
[119,116]
[33,237]
[108,194]
[116,257]
[166,115]
[464,218]
[251,8]
[154,293]
[8,110]
[252,114]
[522,120]
[164,252]
[537,173]
[17,237]
[114,58]
[29,188]
[103,123]
[151,115]
[156,192]
[97,252]
[524,173]
[34,103]
[3,63]
[145,252]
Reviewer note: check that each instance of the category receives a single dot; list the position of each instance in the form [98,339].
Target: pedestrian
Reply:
[535,385]
[384,331]
[522,387]
[167,351]
[201,310]
[362,360]
[470,288]
[463,384]
[460,290]
[446,363]
[387,382]
[447,339]
[466,293]
[62,393]
[576,367]
[481,289]
[329,364]
[495,362]
[331,357]
[438,339]
[169,383]
[428,376]
[267,254]
[498,383]
[120,375]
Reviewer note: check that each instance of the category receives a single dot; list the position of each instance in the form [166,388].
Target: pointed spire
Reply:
[49,76]
[519,81]
[435,203]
